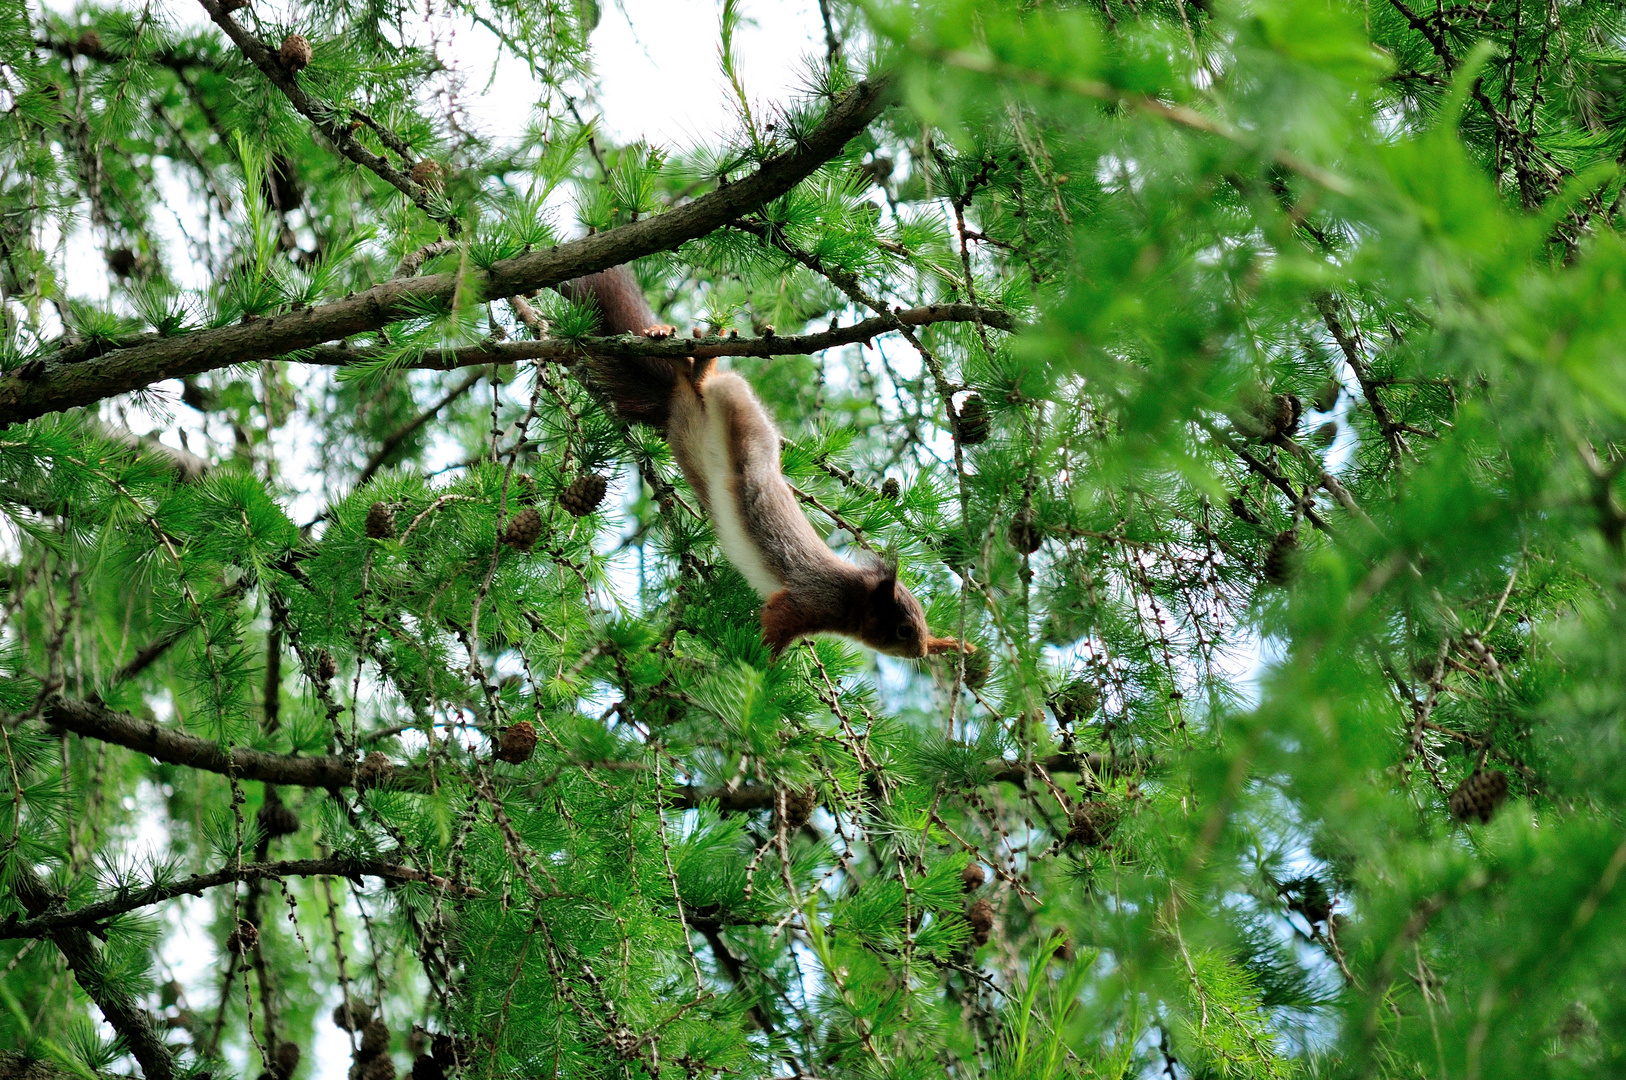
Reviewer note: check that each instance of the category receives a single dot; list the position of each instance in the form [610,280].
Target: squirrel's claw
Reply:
[659,331]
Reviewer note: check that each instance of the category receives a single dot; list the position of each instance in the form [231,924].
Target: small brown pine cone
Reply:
[624,1042]
[1025,533]
[1325,435]
[446,1049]
[1478,796]
[377,1067]
[1076,701]
[517,744]
[1282,558]
[980,917]
[380,522]
[973,877]
[973,421]
[375,769]
[1286,409]
[122,261]
[584,494]
[523,493]
[244,939]
[326,666]
[375,1037]
[425,1067]
[275,817]
[359,1016]
[1064,944]
[977,666]
[1326,398]
[890,488]
[1241,509]
[295,52]
[89,42]
[524,529]
[1092,822]
[797,807]
[427,173]
[287,1059]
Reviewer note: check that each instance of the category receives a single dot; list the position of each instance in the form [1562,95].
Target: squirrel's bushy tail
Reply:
[639,388]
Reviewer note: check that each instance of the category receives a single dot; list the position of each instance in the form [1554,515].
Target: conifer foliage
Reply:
[1245,380]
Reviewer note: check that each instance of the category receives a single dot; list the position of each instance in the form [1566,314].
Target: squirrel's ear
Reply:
[937,645]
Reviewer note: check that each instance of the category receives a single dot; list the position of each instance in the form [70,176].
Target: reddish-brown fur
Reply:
[728,449]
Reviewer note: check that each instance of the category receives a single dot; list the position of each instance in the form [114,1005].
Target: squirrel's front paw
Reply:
[659,330]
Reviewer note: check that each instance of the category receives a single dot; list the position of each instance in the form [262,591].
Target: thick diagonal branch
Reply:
[63,386]
[121,1012]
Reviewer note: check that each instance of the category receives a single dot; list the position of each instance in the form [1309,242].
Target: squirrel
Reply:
[728,449]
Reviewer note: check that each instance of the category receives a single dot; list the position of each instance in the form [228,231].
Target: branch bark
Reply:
[568,350]
[90,917]
[134,1026]
[63,386]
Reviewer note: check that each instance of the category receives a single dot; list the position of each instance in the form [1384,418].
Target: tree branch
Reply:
[95,721]
[90,917]
[127,1018]
[323,119]
[62,386]
[568,350]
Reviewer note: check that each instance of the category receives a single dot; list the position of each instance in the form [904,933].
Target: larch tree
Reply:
[1244,379]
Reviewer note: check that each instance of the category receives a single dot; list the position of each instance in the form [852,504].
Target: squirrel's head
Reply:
[893,622]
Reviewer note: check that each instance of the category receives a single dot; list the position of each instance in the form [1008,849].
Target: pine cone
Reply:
[380,522]
[624,1042]
[244,939]
[374,770]
[326,667]
[446,1049]
[977,666]
[1478,796]
[524,490]
[275,817]
[1282,559]
[973,421]
[973,877]
[524,529]
[798,806]
[1076,701]
[90,42]
[583,495]
[1092,822]
[956,550]
[425,1067]
[890,489]
[1241,509]
[1064,944]
[377,1067]
[517,744]
[361,1014]
[295,52]
[980,917]
[1325,435]
[1326,398]
[287,1059]
[1025,533]
[427,173]
[375,1037]
[122,261]
[1283,415]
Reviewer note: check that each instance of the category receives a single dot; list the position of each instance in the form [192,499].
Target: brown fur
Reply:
[728,449]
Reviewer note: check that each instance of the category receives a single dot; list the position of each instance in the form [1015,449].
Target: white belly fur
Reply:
[723,392]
